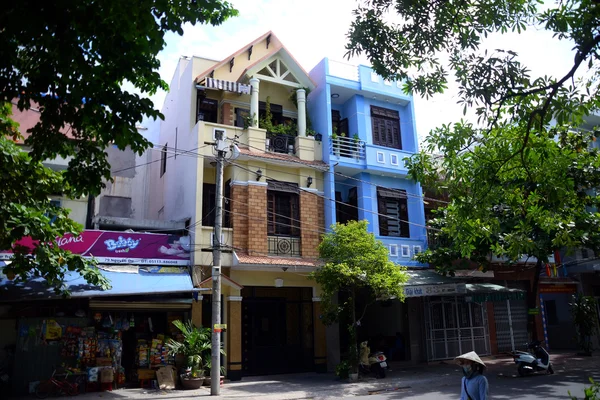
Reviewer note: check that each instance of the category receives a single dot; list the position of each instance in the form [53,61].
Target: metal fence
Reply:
[286,246]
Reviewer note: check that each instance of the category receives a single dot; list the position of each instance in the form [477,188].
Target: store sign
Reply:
[483,297]
[121,247]
[434,290]
[558,288]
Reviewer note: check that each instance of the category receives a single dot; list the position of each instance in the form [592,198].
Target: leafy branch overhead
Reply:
[71,60]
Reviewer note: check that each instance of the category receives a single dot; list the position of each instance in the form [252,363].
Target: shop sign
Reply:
[220,328]
[120,247]
[433,290]
[558,288]
[533,311]
[483,297]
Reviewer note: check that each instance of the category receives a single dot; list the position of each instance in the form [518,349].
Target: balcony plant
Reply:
[195,347]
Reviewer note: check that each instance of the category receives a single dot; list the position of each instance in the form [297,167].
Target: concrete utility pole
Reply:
[215,371]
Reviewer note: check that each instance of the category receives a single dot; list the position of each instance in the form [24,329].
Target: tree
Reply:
[70,60]
[355,261]
[585,317]
[522,180]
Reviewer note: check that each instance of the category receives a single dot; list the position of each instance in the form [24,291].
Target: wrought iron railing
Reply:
[343,146]
[279,143]
[287,246]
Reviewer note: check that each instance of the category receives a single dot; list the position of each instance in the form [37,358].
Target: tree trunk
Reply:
[532,301]
[353,345]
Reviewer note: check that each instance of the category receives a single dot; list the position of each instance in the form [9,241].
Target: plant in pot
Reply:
[208,367]
[194,346]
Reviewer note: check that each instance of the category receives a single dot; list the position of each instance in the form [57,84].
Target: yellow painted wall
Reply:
[201,65]
[267,278]
[278,94]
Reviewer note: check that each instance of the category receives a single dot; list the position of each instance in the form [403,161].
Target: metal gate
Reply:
[455,327]
[511,324]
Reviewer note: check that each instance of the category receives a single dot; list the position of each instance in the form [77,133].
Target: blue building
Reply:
[368,129]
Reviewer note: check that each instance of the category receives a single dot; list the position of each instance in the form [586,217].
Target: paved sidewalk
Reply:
[422,378]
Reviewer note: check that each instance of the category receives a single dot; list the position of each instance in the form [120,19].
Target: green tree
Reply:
[355,261]
[70,59]
[522,180]
[585,318]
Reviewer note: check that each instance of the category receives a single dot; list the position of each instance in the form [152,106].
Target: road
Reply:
[556,386]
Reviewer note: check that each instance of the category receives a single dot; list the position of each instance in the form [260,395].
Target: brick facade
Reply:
[227,114]
[311,214]
[257,226]
[239,221]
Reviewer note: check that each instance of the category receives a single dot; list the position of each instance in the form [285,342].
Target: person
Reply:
[474,386]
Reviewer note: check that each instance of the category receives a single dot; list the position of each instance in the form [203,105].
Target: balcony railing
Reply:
[280,143]
[286,246]
[347,147]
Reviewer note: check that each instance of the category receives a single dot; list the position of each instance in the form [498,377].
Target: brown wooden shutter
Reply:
[383,221]
[386,127]
[404,228]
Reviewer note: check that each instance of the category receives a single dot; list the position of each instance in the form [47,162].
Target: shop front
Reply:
[556,294]
[106,338]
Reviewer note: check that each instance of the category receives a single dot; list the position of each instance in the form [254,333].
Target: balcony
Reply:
[347,148]
[280,143]
[284,246]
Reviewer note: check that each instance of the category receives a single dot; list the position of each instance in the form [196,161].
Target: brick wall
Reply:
[227,114]
[257,224]
[239,208]
[310,217]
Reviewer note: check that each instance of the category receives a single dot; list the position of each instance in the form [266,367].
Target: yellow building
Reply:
[273,202]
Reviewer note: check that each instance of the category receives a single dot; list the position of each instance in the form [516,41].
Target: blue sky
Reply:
[314,29]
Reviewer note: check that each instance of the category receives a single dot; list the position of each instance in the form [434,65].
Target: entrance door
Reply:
[455,327]
[277,332]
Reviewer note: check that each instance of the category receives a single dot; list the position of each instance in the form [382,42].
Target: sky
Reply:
[314,29]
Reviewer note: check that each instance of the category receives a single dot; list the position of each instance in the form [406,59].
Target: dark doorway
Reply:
[277,330]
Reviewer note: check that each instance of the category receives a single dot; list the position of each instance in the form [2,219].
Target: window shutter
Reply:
[404,228]
[383,221]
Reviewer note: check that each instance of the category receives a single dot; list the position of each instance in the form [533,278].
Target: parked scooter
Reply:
[372,363]
[535,359]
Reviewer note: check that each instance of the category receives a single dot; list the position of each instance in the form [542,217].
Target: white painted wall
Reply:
[78,208]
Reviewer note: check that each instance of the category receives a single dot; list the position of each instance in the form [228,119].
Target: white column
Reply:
[301,97]
[254,101]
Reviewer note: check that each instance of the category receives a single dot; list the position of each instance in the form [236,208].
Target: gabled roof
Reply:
[277,51]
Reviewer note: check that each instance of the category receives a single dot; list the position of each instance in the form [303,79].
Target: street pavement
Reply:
[437,381]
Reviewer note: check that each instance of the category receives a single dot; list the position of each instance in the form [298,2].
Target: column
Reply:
[301,98]
[197,312]
[254,101]
[234,338]
[320,350]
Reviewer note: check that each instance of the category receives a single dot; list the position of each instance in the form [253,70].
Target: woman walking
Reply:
[474,384]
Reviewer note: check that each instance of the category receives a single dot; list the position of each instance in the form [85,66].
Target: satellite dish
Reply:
[235,152]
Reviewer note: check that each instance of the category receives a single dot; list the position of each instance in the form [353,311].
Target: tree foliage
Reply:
[521,179]
[355,260]
[584,310]
[70,59]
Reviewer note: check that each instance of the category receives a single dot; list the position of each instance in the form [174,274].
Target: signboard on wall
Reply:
[558,288]
[434,290]
[109,247]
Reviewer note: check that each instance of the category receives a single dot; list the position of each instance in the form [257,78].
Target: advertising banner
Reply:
[109,247]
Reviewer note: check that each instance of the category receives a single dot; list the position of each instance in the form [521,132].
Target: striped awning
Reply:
[212,83]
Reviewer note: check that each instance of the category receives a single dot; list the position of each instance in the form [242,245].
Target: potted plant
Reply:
[336,143]
[195,347]
[356,151]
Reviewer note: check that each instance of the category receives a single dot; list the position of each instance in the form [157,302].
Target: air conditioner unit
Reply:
[212,239]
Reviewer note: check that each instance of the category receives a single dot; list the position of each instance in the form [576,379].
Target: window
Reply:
[163,160]
[394,159]
[393,250]
[393,212]
[207,109]
[208,204]
[283,211]
[386,127]
[551,314]
[276,112]
[405,250]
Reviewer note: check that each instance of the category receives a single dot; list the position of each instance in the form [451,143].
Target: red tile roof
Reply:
[280,157]
[245,258]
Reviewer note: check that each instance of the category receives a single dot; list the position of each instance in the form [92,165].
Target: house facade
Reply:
[273,201]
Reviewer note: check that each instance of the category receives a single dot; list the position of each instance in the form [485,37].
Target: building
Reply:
[273,201]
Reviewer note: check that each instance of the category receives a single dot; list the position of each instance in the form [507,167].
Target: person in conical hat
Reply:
[474,386]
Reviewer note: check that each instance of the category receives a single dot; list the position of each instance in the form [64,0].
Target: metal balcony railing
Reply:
[287,246]
[279,143]
[347,147]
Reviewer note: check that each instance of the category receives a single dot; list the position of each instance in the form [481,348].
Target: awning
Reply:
[228,86]
[146,281]
[482,292]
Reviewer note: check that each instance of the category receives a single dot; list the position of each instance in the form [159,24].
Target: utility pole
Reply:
[215,371]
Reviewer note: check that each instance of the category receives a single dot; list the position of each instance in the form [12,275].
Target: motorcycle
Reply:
[535,359]
[372,363]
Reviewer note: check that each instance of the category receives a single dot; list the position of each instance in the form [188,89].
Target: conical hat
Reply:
[472,356]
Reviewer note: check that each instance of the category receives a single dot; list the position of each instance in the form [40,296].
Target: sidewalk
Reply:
[421,378]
